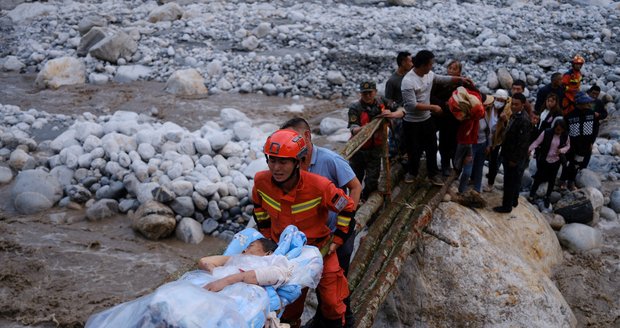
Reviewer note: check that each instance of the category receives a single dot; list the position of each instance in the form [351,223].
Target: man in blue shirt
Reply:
[327,163]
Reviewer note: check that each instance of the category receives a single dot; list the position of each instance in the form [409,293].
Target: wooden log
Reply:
[358,140]
[375,296]
[388,243]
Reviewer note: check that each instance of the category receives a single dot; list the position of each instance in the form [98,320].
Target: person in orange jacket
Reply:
[285,195]
[571,80]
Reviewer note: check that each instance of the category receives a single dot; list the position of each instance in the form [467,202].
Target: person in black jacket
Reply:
[581,129]
[600,113]
[552,144]
[514,153]
[555,88]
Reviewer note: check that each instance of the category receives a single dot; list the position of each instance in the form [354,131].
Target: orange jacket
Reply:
[572,84]
[306,206]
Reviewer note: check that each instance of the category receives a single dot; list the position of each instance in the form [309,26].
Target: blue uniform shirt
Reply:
[328,164]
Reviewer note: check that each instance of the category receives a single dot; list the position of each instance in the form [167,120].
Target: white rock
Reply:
[263,29]
[219,140]
[83,129]
[504,77]
[203,146]
[61,71]
[242,130]
[492,80]
[250,43]
[91,142]
[131,73]
[205,188]
[26,12]
[146,151]
[231,149]
[336,77]
[254,166]
[587,178]
[12,63]
[31,202]
[182,187]
[503,40]
[580,237]
[168,12]
[330,125]
[214,68]
[186,82]
[145,191]
[230,116]
[98,79]
[40,182]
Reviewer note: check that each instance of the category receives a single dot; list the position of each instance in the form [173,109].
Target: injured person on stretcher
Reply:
[248,286]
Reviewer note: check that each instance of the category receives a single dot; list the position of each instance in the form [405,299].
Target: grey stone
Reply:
[126,205]
[610,57]
[209,225]
[163,194]
[206,188]
[614,200]
[330,125]
[200,202]
[88,22]
[213,210]
[168,12]
[154,220]
[492,80]
[250,43]
[115,190]
[78,194]
[580,237]
[186,82]
[29,202]
[182,187]
[20,160]
[91,38]
[183,206]
[608,214]
[587,178]
[102,209]
[113,47]
[504,77]
[38,181]
[336,77]
[189,231]
[6,175]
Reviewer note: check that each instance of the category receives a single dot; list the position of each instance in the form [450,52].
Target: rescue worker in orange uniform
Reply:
[571,80]
[286,195]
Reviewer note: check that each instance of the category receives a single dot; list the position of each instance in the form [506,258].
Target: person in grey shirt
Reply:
[393,94]
[418,126]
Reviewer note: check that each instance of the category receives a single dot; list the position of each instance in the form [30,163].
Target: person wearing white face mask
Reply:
[497,119]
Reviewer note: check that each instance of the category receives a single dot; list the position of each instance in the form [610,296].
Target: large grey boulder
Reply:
[580,237]
[30,182]
[329,125]
[88,22]
[492,269]
[61,71]
[184,206]
[114,46]
[102,209]
[189,231]
[153,220]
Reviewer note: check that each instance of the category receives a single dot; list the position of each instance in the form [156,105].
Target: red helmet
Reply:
[578,60]
[286,144]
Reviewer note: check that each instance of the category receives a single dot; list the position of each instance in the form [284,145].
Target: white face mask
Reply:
[499,104]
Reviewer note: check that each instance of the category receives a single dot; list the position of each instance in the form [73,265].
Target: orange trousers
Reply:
[333,289]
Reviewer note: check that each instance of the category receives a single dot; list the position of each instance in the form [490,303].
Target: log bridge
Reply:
[397,226]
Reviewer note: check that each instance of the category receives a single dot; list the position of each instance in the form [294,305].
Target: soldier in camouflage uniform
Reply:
[366,163]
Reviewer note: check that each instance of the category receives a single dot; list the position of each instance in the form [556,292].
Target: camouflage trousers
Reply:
[366,164]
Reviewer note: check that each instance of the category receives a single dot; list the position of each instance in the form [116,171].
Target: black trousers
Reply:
[421,137]
[447,139]
[545,172]
[512,183]
[494,162]
[572,166]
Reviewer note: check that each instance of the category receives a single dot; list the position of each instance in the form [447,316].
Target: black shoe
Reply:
[502,209]
[546,202]
[515,203]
